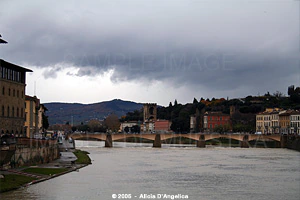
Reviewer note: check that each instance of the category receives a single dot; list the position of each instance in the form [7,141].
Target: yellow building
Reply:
[12,98]
[263,122]
[32,106]
[285,121]
[267,122]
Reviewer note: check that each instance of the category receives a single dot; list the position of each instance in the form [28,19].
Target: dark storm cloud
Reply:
[220,45]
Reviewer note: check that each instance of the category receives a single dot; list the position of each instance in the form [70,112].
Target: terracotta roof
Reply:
[215,113]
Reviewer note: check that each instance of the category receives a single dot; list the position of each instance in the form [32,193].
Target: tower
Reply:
[150,112]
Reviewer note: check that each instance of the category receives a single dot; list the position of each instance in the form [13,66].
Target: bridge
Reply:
[200,138]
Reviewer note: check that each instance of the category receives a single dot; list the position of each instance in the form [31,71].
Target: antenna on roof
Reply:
[2,41]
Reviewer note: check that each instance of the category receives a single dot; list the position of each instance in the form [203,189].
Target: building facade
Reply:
[128,124]
[275,128]
[162,126]
[12,98]
[41,112]
[285,121]
[277,121]
[295,122]
[31,126]
[150,112]
[215,119]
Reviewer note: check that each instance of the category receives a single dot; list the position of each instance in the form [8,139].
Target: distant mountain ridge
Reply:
[75,113]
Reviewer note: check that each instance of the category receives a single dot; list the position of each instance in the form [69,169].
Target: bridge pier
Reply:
[201,142]
[245,142]
[157,141]
[108,141]
[283,141]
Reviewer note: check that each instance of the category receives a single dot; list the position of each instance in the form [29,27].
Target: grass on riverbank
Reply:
[82,157]
[13,181]
[45,171]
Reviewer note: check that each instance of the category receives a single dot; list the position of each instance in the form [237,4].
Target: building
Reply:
[150,112]
[162,126]
[148,126]
[193,123]
[12,98]
[275,128]
[128,124]
[285,121]
[41,112]
[267,122]
[295,122]
[278,121]
[32,107]
[215,119]
[150,116]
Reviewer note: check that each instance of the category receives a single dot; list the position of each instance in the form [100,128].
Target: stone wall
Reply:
[31,152]
[293,142]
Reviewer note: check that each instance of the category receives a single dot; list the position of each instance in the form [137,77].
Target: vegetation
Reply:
[242,119]
[45,171]
[112,122]
[82,157]
[13,181]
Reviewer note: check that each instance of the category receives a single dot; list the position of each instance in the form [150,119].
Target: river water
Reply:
[138,171]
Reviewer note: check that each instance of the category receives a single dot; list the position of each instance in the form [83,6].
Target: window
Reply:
[3,90]
[14,92]
[13,112]
[9,92]
[22,112]
[18,93]
[3,111]
[18,112]
[7,111]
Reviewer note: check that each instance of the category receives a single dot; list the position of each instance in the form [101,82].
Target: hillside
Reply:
[61,113]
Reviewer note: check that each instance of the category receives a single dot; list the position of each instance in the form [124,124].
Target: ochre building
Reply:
[12,98]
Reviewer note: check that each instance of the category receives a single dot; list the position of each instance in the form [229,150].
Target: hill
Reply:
[61,113]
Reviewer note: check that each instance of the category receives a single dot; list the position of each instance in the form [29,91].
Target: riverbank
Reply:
[21,177]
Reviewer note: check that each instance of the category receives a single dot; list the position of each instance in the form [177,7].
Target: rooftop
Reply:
[12,66]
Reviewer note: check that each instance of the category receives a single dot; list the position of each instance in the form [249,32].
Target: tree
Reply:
[126,129]
[222,128]
[195,101]
[112,122]
[135,129]
[45,122]
[175,102]
[94,125]
[278,94]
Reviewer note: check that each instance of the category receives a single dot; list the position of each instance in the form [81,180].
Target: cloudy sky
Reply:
[152,51]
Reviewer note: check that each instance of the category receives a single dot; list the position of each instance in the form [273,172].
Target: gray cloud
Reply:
[219,45]
[51,72]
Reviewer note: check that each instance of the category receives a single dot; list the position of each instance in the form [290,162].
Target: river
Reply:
[138,171]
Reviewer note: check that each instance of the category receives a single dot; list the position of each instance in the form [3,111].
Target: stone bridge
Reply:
[199,137]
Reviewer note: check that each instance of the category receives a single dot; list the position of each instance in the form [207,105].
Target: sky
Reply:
[152,51]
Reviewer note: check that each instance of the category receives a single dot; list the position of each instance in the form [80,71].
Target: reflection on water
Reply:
[200,173]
